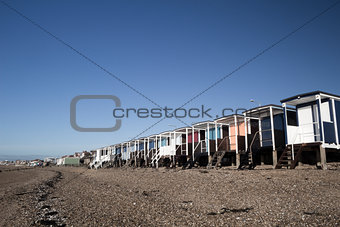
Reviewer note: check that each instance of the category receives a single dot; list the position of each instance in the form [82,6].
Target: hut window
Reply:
[164,142]
[325,113]
[291,118]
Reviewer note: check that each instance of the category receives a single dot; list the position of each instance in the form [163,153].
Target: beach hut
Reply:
[130,152]
[167,148]
[139,154]
[125,155]
[136,152]
[117,160]
[182,145]
[182,141]
[265,135]
[102,156]
[229,140]
[114,155]
[202,142]
[313,130]
[97,159]
[152,150]
[129,149]
[160,148]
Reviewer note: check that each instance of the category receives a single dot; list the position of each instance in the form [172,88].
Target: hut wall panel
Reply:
[241,132]
[195,137]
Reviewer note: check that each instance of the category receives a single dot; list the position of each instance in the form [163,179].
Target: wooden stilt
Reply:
[274,158]
[238,160]
[323,158]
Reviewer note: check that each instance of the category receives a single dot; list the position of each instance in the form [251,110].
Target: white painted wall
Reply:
[98,155]
[60,161]
[306,126]
[125,155]
[292,132]
[170,149]
[179,139]
[167,150]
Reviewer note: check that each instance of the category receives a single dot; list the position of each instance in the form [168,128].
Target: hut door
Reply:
[202,135]
[225,131]
[306,126]
[254,126]
[225,138]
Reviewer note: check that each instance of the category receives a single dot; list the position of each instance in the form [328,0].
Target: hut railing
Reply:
[302,135]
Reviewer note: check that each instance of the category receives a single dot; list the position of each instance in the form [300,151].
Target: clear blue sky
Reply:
[168,50]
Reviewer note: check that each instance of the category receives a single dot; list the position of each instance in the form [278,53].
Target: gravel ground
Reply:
[174,197]
[18,194]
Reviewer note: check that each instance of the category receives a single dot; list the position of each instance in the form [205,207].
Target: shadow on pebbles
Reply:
[46,215]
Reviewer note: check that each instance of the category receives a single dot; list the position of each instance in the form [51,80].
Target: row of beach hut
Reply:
[304,129]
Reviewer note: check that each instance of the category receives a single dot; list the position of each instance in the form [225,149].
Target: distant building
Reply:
[50,160]
[36,162]
[86,161]
[21,162]
[6,163]
[68,161]
[71,161]
[60,161]
[85,154]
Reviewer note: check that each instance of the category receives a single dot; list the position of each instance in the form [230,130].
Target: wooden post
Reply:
[193,142]
[272,128]
[274,158]
[245,132]
[144,149]
[323,158]
[147,151]
[135,154]
[216,140]
[186,142]
[128,151]
[238,156]
[121,155]
[208,140]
